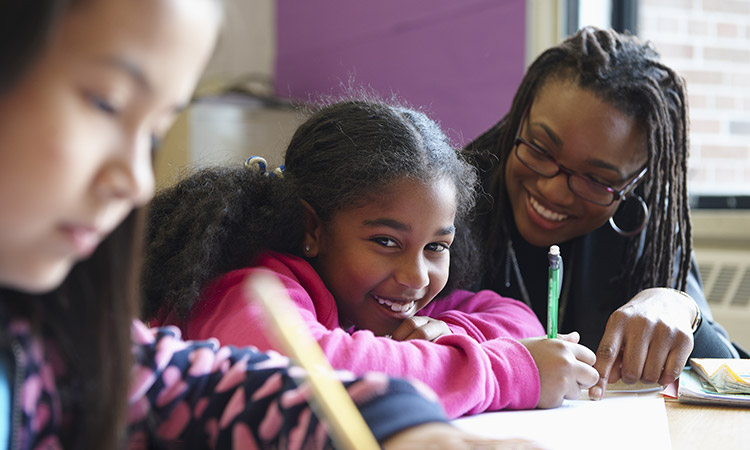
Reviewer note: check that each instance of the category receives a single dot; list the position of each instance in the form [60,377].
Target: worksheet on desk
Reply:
[633,422]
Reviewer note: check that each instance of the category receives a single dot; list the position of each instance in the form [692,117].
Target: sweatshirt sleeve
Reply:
[196,394]
[484,315]
[469,375]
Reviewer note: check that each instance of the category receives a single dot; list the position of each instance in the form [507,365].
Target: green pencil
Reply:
[553,289]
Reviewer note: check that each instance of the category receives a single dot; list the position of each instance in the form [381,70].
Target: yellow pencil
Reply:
[330,400]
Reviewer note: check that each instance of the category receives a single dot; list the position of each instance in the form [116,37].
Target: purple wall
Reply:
[461,60]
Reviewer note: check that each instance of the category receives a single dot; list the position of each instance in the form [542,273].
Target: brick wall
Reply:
[708,43]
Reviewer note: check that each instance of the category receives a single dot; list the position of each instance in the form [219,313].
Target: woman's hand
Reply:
[444,436]
[565,367]
[420,327]
[648,339]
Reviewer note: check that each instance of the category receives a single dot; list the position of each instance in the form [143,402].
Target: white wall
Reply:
[247,46]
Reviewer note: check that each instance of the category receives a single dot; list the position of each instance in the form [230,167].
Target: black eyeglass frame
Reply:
[616,195]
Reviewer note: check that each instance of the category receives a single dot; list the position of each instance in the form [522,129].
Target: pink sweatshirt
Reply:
[480,367]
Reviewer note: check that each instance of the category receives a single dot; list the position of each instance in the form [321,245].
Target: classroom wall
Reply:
[214,131]
[465,80]
[246,49]
[462,61]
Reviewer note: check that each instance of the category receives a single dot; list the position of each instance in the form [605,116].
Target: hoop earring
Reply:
[640,228]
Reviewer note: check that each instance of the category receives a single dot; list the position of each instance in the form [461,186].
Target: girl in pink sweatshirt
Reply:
[364,228]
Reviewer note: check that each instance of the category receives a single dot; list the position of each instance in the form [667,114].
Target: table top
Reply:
[693,426]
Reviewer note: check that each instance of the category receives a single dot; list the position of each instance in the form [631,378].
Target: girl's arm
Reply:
[200,395]
[484,315]
[469,376]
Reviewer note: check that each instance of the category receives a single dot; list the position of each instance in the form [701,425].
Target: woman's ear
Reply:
[313,231]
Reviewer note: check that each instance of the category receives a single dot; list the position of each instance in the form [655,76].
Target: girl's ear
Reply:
[313,231]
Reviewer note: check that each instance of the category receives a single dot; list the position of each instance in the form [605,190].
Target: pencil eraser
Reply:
[554,250]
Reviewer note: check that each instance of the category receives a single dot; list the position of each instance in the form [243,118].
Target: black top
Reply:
[590,291]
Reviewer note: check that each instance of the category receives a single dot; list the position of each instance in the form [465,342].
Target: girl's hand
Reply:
[420,327]
[648,339]
[445,436]
[565,367]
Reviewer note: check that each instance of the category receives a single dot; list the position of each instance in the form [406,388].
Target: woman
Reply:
[593,157]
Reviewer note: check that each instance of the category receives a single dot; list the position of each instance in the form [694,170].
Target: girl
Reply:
[362,227]
[86,87]
[593,157]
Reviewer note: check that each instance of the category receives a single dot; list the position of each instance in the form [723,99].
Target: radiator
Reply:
[722,249]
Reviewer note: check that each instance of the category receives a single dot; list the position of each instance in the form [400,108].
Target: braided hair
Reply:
[625,73]
[343,156]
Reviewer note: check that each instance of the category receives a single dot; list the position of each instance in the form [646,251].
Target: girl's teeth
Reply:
[395,307]
[546,213]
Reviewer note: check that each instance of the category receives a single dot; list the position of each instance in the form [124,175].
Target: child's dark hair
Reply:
[219,219]
[25,28]
[626,73]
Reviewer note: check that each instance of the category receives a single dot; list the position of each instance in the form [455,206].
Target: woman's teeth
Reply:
[396,307]
[546,213]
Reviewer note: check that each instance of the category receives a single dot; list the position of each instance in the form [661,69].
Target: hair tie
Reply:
[256,163]
[259,164]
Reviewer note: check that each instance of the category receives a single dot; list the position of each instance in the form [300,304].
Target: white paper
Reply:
[616,422]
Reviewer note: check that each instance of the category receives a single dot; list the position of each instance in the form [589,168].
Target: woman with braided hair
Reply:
[593,157]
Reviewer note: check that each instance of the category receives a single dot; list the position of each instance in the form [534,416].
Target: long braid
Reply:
[670,226]
[626,73]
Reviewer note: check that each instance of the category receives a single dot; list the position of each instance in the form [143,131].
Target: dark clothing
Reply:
[592,265]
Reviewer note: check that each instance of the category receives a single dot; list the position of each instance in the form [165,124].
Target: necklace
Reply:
[512,262]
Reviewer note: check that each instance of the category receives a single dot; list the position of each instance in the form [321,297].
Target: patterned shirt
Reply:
[197,394]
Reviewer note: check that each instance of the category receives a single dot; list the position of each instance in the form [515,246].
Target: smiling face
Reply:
[388,259]
[585,135]
[76,131]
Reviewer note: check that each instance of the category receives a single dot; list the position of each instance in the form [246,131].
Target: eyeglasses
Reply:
[541,162]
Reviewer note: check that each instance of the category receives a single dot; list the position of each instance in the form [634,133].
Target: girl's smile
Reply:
[403,309]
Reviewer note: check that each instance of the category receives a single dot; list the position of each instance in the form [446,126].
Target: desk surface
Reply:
[694,426]
[685,426]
